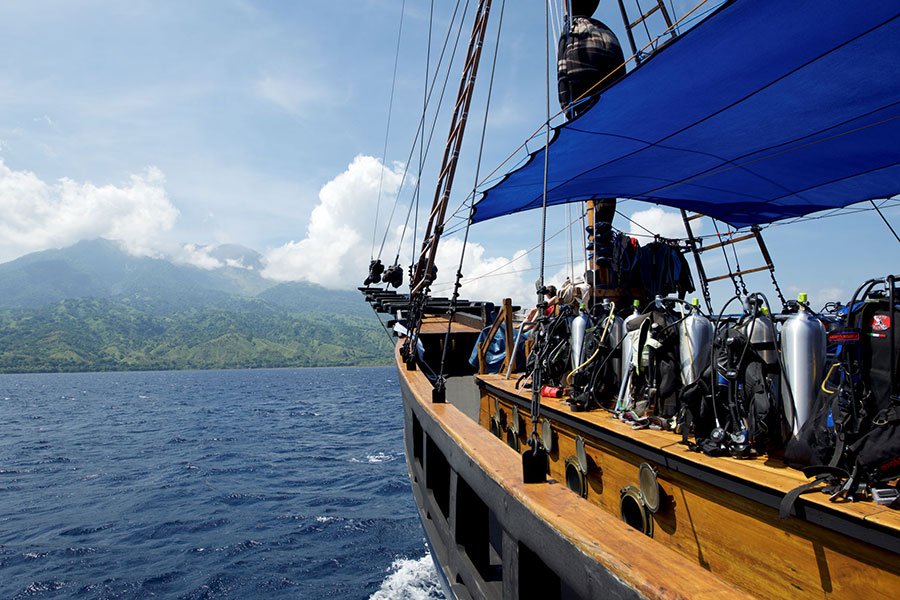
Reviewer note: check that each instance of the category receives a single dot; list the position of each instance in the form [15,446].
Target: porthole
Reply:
[576,480]
[512,439]
[495,426]
[512,430]
[547,435]
[633,510]
[650,491]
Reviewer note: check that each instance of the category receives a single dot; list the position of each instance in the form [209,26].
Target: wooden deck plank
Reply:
[434,325]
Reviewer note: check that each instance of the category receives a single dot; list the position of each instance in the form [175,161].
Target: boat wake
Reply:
[410,579]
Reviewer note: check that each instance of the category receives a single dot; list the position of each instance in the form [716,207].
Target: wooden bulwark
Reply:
[613,547]
[722,513]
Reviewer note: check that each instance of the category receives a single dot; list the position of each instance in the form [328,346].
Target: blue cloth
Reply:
[496,352]
[766,110]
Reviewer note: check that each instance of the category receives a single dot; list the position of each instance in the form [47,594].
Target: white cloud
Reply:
[484,278]
[298,97]
[198,256]
[38,215]
[336,250]
[661,222]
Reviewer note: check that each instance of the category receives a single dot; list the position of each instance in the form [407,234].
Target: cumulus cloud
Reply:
[335,252]
[490,278]
[668,224]
[38,215]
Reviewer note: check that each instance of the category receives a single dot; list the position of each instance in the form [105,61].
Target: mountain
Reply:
[101,269]
[92,307]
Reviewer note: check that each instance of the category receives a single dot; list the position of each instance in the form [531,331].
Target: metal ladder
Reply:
[630,25]
[737,277]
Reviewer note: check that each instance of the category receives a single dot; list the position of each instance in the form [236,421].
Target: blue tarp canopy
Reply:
[768,109]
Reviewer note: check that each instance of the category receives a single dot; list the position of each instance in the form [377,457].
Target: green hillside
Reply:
[93,307]
[110,335]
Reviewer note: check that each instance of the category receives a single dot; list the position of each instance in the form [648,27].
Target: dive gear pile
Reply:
[820,388]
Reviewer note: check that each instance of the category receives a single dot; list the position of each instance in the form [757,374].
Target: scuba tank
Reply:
[759,327]
[803,353]
[614,333]
[628,358]
[577,328]
[695,337]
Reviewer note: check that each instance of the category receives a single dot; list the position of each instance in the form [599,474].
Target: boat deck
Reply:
[764,471]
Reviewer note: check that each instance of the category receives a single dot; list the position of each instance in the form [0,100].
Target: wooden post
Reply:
[508,330]
[504,316]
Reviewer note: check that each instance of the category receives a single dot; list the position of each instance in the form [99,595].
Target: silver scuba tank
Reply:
[627,358]
[696,333]
[761,331]
[578,326]
[803,353]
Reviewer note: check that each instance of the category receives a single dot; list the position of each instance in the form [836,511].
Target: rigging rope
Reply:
[459,274]
[589,91]
[436,113]
[885,220]
[737,291]
[419,130]
[421,142]
[536,375]
[387,130]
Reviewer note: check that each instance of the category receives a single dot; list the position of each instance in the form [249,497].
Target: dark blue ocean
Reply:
[263,484]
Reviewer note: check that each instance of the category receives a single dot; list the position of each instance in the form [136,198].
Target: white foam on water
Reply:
[374,459]
[410,579]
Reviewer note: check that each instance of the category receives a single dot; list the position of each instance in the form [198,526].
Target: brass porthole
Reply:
[576,479]
[512,439]
[650,491]
[512,430]
[633,510]
[547,435]
[497,419]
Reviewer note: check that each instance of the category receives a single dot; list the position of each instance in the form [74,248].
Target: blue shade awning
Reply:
[767,110]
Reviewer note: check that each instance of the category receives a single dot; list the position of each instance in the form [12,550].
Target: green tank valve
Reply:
[637,303]
[695,301]
[764,311]
[801,297]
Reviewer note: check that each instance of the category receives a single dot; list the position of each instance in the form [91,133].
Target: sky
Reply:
[175,126]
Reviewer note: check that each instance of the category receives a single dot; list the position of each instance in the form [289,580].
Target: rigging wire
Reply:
[421,142]
[420,129]
[459,274]
[436,113]
[589,91]
[644,21]
[674,15]
[888,203]
[387,129]
[737,291]
[880,214]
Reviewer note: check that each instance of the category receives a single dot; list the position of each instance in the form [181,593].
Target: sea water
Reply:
[208,484]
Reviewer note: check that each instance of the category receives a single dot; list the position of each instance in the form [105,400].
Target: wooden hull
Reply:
[496,537]
[717,535]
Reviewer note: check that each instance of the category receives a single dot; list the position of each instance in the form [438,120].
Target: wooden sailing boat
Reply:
[615,511]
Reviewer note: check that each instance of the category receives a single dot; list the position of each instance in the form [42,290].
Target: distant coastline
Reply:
[94,308]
